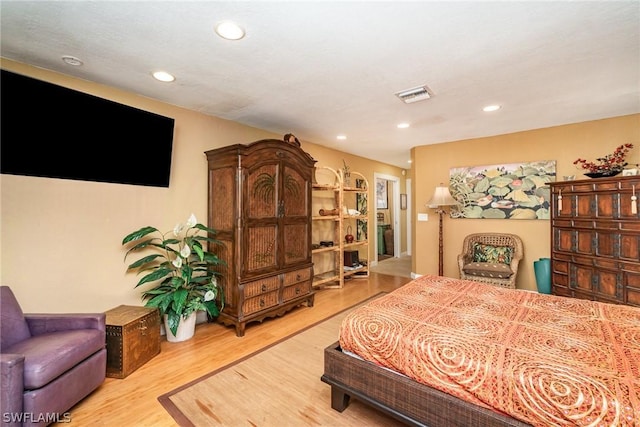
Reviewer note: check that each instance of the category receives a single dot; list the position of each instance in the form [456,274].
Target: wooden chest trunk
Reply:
[133,338]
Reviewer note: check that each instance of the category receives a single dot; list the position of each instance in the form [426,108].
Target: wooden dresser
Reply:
[260,206]
[595,240]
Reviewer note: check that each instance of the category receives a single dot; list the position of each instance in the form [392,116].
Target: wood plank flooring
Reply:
[394,266]
[132,401]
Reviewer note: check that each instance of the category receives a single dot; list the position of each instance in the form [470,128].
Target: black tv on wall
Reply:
[55,132]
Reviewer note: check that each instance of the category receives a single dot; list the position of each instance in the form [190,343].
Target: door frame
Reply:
[395,182]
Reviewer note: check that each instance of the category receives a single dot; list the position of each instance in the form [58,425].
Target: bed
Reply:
[449,352]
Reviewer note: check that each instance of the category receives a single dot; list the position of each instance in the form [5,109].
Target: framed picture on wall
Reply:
[381,194]
[518,191]
[403,201]
[361,206]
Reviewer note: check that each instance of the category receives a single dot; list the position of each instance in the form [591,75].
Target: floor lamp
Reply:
[441,198]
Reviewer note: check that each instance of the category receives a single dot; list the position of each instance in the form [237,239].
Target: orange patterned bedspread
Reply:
[542,359]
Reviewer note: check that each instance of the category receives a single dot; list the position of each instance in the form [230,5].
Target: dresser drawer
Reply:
[297,290]
[631,281]
[633,296]
[562,291]
[260,302]
[257,287]
[561,280]
[297,276]
[560,267]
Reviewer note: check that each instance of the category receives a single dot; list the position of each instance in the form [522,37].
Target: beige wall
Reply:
[60,247]
[60,239]
[564,144]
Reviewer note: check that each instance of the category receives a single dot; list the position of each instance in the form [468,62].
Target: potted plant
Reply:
[181,269]
[609,165]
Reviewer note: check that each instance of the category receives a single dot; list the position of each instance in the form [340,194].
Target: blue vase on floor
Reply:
[542,268]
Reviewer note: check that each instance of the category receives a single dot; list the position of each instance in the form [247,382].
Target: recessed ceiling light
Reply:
[409,161]
[403,125]
[71,60]
[490,108]
[163,76]
[341,137]
[229,30]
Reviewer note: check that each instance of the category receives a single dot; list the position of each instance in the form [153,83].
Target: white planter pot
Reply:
[186,328]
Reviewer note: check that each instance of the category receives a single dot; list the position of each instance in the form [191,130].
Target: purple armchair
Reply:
[49,362]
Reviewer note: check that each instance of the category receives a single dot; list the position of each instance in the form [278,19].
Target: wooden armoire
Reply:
[595,239]
[260,206]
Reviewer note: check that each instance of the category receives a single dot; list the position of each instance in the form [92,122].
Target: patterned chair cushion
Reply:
[492,254]
[487,269]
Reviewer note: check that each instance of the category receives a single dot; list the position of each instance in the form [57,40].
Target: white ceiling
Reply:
[322,68]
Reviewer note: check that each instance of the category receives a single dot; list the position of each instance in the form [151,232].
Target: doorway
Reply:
[390,217]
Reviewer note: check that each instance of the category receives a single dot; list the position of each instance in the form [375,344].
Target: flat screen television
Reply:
[55,132]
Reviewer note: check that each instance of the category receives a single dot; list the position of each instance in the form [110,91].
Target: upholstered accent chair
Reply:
[491,258]
[49,362]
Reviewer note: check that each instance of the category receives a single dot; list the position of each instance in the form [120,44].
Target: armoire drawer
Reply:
[297,290]
[257,287]
[260,302]
[297,276]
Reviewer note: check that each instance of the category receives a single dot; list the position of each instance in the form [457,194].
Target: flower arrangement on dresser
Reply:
[609,165]
[181,269]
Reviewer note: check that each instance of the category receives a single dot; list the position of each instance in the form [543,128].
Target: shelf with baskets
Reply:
[342,213]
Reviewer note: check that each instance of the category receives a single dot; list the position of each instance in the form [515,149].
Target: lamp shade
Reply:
[441,197]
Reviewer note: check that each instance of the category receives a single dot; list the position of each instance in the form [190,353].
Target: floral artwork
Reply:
[507,191]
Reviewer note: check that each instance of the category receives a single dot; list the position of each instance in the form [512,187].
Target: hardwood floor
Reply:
[394,266]
[132,401]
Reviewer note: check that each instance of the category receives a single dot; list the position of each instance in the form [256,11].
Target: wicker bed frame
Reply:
[411,402]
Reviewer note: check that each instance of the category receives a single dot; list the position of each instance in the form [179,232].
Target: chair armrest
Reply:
[12,384]
[514,265]
[464,259]
[52,322]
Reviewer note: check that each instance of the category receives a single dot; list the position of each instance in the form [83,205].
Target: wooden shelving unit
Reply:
[331,193]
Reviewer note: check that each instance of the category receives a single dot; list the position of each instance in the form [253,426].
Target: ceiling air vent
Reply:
[414,95]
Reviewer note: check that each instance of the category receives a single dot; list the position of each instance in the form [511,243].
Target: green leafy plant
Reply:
[181,268]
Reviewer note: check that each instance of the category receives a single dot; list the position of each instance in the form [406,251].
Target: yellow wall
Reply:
[564,144]
[60,247]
